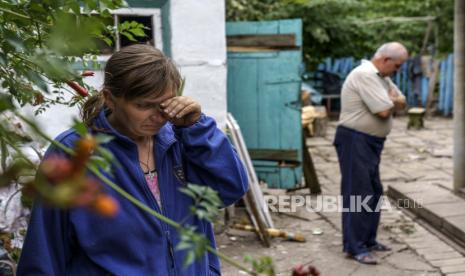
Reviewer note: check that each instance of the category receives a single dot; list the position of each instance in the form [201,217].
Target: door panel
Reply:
[264,97]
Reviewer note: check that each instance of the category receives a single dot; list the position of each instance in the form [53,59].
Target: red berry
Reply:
[57,168]
[84,148]
[87,73]
[78,88]
[106,205]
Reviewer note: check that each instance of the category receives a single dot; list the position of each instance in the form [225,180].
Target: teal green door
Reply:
[264,97]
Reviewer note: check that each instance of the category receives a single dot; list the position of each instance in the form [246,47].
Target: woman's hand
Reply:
[181,111]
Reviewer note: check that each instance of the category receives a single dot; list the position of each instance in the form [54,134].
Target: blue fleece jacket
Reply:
[79,242]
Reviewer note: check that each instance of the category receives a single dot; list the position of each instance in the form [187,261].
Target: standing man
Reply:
[368,99]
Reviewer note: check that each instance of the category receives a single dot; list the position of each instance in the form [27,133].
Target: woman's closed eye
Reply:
[146,106]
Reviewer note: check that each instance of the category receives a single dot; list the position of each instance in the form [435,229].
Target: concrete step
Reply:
[437,205]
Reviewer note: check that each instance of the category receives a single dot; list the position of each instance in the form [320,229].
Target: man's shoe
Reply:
[379,247]
[365,258]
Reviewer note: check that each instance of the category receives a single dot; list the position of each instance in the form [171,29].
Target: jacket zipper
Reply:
[171,251]
[160,209]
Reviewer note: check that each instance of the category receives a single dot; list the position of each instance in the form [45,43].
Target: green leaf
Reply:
[80,127]
[72,36]
[108,41]
[4,154]
[37,80]
[103,138]
[3,59]
[105,13]
[91,4]
[189,258]
[261,265]
[108,156]
[138,32]
[206,201]
[55,68]
[188,192]
[15,138]
[16,43]
[6,103]
[248,258]
[99,162]
[195,244]
[183,245]
[75,7]
[129,36]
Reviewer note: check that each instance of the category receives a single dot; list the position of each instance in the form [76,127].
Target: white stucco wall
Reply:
[198,46]
[59,118]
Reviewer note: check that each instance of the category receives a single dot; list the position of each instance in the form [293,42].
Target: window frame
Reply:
[156,23]
[154,13]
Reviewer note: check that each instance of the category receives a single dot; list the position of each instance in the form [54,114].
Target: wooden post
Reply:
[311,178]
[432,87]
[459,97]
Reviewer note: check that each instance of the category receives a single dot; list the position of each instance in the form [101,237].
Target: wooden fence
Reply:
[443,94]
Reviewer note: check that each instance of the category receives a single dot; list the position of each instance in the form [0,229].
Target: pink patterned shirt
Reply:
[152,182]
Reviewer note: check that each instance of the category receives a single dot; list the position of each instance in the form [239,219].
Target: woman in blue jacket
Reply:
[162,142]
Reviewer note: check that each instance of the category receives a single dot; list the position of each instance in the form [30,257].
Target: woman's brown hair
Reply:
[135,71]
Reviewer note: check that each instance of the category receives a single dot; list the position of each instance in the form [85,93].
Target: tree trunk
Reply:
[459,97]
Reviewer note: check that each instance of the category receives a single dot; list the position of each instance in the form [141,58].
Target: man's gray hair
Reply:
[394,50]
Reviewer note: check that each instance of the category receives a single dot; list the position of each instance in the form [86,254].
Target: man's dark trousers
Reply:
[359,157]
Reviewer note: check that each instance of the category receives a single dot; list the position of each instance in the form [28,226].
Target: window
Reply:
[150,18]
[147,21]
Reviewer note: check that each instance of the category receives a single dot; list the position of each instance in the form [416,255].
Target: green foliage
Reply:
[339,28]
[206,201]
[40,41]
[262,265]
[206,204]
[132,28]
[194,243]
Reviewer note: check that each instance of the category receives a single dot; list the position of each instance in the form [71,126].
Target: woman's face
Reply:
[140,117]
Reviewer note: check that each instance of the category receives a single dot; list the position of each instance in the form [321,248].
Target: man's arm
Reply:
[399,103]
[397,99]
[384,114]
[373,95]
